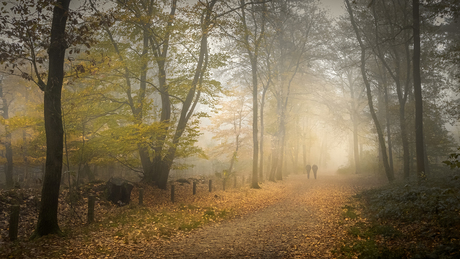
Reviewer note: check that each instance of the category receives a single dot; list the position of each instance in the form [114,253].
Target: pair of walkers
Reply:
[314,168]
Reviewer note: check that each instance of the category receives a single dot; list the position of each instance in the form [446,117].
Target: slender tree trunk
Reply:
[191,100]
[255,113]
[9,162]
[354,117]
[403,101]
[356,146]
[419,138]
[47,217]
[232,160]
[138,109]
[389,173]
[156,167]
[279,171]
[402,93]
[304,147]
[274,156]
[262,129]
[387,116]
[253,53]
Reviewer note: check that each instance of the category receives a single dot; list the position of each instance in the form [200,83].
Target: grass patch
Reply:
[349,212]
[151,224]
[191,225]
[209,213]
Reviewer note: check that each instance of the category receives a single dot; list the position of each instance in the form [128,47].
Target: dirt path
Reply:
[307,224]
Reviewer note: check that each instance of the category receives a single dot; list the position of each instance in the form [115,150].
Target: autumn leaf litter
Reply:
[143,231]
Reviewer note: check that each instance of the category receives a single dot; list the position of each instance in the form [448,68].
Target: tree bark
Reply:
[262,129]
[191,99]
[389,173]
[255,113]
[397,77]
[354,118]
[419,141]
[281,145]
[274,155]
[387,116]
[160,51]
[253,53]
[47,218]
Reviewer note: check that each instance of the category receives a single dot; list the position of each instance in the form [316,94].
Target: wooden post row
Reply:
[172,193]
[141,196]
[14,222]
[91,201]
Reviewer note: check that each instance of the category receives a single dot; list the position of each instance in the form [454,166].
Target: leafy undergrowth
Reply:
[118,229]
[404,221]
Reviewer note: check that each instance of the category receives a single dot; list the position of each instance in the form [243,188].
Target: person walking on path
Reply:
[315,169]
[308,171]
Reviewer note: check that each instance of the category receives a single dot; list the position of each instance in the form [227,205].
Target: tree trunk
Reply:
[356,146]
[354,117]
[138,109]
[9,162]
[403,101]
[402,93]
[253,53]
[419,141]
[387,116]
[304,147]
[262,129]
[235,153]
[279,170]
[47,218]
[191,99]
[255,113]
[149,175]
[389,173]
[274,156]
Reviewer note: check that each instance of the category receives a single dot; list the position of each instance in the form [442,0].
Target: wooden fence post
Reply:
[194,188]
[14,222]
[91,201]
[223,184]
[210,185]
[141,196]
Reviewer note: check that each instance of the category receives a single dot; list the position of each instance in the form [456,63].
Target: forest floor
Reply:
[293,218]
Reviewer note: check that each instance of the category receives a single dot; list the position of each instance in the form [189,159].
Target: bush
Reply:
[454,160]
[405,221]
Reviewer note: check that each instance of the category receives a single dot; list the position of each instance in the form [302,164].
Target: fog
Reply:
[229,129]
[183,99]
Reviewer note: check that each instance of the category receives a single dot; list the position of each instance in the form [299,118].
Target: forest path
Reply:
[305,224]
